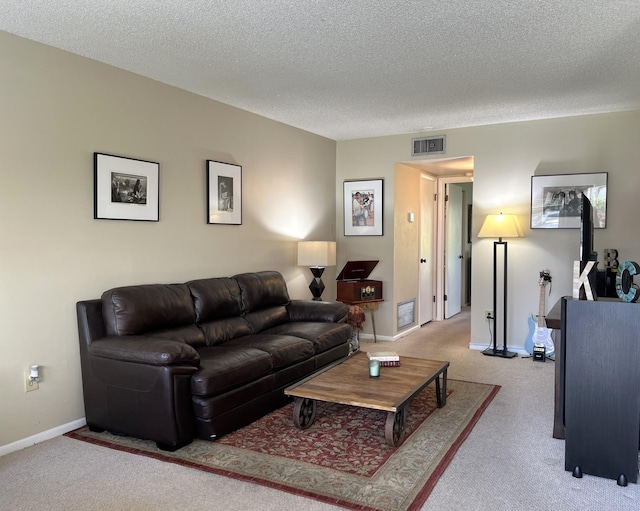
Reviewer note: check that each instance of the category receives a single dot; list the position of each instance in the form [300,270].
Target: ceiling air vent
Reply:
[429,145]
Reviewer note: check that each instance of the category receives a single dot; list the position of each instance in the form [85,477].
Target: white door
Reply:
[453,248]
[427,259]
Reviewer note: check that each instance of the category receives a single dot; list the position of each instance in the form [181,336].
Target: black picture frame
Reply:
[366,219]
[556,204]
[125,188]
[224,193]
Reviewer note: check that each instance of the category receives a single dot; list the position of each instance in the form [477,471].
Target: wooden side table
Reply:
[368,305]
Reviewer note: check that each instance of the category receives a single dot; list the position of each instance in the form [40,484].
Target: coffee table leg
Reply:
[394,429]
[304,411]
[441,392]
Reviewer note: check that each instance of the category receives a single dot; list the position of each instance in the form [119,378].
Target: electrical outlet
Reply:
[28,384]
[488,314]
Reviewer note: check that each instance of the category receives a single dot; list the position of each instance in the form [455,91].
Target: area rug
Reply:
[342,459]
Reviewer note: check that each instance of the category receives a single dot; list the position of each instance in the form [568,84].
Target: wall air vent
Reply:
[429,145]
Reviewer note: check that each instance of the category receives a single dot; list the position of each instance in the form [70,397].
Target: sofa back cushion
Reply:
[264,299]
[267,318]
[261,290]
[144,309]
[216,298]
[223,330]
[218,306]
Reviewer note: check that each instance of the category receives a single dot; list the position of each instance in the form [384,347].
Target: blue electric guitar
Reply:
[538,332]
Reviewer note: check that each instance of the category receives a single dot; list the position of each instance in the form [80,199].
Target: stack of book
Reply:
[386,358]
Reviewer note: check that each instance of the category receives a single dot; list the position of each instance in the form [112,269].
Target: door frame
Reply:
[440,247]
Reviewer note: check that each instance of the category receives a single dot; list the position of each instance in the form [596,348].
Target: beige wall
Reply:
[56,110]
[506,156]
[370,158]
[406,240]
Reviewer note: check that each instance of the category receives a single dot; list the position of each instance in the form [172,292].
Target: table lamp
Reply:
[317,255]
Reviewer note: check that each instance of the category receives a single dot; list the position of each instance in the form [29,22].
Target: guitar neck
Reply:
[541,322]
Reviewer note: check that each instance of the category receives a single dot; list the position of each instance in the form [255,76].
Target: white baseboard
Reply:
[41,437]
[369,337]
[406,332]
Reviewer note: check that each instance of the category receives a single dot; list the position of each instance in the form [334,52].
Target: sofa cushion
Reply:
[189,334]
[262,290]
[216,298]
[135,310]
[323,335]
[267,318]
[285,350]
[226,367]
[209,408]
[223,330]
[310,310]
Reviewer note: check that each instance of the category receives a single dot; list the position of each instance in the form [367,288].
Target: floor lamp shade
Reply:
[317,255]
[500,226]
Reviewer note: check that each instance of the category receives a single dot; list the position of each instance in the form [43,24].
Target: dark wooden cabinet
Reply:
[554,321]
[600,355]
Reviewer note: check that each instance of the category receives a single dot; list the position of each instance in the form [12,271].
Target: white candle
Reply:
[374,368]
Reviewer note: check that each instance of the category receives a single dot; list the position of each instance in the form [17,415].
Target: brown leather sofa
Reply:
[169,362]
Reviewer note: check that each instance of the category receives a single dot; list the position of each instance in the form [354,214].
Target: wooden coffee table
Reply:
[347,382]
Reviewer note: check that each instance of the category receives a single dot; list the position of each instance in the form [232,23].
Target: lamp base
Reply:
[317,286]
[490,352]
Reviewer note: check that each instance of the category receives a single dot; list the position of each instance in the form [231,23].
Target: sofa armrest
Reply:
[144,350]
[309,310]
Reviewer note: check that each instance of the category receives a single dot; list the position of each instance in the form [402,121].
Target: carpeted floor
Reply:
[509,460]
[342,458]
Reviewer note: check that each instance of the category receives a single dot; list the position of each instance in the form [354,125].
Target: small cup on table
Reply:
[374,368]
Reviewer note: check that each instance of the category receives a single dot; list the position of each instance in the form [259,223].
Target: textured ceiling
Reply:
[353,69]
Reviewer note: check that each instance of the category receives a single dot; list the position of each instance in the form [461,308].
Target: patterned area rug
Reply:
[342,459]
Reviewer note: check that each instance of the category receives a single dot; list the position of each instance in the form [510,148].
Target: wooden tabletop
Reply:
[349,383]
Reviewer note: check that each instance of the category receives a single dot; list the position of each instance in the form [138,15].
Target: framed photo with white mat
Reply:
[224,193]
[363,206]
[125,188]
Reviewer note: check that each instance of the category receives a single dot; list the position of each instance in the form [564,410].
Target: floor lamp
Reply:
[500,226]
[317,255]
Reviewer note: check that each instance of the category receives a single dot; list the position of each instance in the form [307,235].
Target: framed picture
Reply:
[125,188]
[363,208]
[556,200]
[224,193]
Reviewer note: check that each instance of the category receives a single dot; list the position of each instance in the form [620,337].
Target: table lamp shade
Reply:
[316,253]
[501,226]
